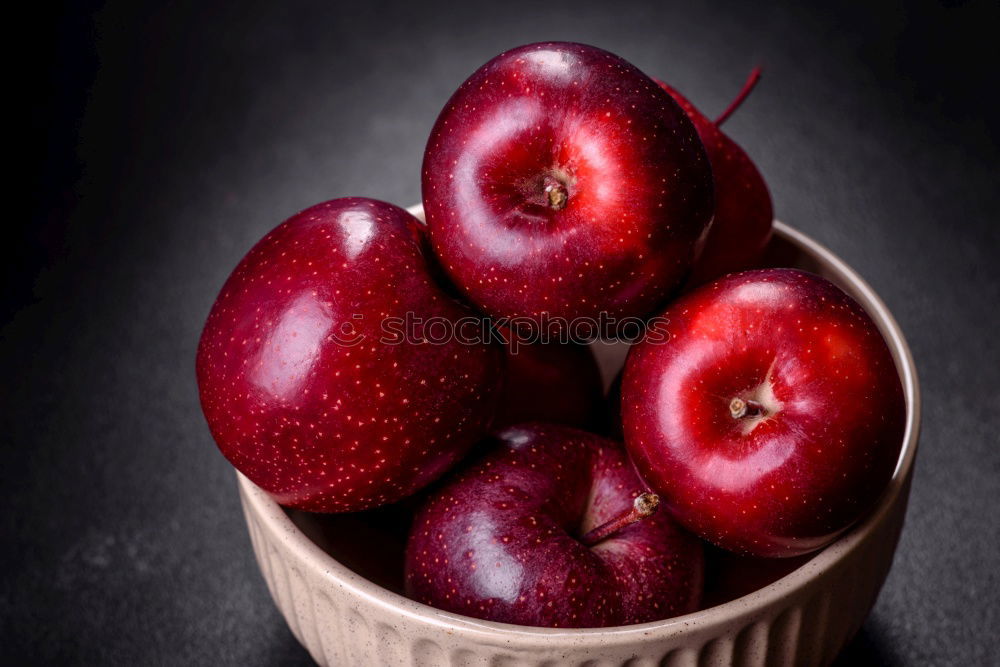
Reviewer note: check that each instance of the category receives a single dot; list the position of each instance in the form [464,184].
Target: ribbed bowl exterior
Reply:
[805,618]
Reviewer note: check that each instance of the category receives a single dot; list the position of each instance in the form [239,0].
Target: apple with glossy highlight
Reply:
[551,528]
[304,391]
[560,180]
[773,417]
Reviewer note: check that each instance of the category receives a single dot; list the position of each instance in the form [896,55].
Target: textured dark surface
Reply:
[166,140]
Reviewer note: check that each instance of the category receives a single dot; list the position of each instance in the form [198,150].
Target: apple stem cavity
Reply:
[743,94]
[555,193]
[644,505]
[741,408]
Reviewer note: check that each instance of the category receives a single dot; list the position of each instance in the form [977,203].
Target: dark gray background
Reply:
[166,139]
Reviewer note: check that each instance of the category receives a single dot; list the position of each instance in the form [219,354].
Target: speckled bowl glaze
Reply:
[804,618]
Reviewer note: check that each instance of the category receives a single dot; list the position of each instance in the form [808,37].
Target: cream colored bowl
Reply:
[804,618]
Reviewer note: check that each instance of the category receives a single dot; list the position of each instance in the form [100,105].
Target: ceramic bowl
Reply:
[338,579]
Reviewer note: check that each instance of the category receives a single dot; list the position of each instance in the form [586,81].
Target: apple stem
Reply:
[740,408]
[744,92]
[644,505]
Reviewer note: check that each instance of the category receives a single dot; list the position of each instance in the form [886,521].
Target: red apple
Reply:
[772,418]
[561,180]
[558,383]
[729,576]
[743,211]
[307,393]
[552,528]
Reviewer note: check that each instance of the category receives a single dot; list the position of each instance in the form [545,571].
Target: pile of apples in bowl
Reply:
[437,468]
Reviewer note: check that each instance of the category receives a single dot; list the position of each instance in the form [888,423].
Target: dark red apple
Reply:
[729,576]
[561,180]
[743,210]
[557,383]
[552,528]
[305,389]
[772,418]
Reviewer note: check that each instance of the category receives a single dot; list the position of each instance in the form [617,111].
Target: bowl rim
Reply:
[273,519]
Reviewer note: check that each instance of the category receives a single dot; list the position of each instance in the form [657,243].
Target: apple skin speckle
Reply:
[302,392]
[788,481]
[560,179]
[500,539]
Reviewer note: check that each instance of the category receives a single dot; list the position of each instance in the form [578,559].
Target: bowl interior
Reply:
[371,544]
